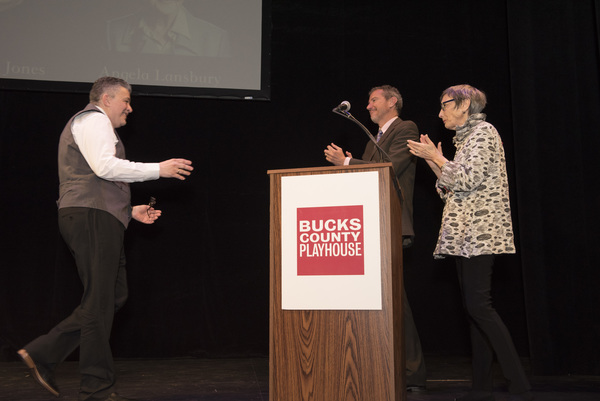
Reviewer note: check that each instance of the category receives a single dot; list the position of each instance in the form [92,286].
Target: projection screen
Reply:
[198,48]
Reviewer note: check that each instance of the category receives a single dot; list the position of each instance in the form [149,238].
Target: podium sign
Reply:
[335,327]
[330,241]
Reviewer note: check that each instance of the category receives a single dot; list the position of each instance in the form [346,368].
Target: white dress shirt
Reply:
[95,136]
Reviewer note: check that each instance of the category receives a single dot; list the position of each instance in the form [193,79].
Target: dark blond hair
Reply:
[389,92]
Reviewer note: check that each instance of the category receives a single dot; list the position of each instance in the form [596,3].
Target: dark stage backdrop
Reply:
[199,276]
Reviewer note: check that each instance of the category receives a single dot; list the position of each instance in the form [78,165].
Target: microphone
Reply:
[344,106]
[342,110]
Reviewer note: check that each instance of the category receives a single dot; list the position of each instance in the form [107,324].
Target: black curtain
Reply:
[199,276]
[555,99]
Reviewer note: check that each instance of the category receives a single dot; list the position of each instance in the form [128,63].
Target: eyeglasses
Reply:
[444,103]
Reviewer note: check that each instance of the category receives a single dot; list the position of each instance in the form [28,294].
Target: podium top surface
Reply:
[329,168]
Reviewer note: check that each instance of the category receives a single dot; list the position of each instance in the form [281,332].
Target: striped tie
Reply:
[379,134]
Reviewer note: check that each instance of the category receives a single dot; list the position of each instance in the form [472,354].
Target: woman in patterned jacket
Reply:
[476,225]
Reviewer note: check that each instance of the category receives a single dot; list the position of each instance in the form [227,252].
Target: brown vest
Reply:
[80,187]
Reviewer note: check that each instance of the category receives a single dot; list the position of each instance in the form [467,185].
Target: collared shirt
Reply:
[383,129]
[94,135]
[388,123]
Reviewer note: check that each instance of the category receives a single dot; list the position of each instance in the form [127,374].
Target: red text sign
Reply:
[330,241]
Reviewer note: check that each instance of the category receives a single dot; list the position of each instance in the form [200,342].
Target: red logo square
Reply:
[330,240]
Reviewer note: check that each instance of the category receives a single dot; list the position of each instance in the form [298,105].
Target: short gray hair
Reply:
[107,85]
[460,93]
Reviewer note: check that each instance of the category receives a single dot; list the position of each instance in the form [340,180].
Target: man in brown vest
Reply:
[93,212]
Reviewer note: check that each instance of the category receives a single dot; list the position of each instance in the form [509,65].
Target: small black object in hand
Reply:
[151,204]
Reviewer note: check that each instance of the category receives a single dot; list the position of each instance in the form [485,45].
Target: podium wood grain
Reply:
[339,355]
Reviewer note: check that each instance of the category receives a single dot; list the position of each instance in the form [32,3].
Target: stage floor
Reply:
[248,379]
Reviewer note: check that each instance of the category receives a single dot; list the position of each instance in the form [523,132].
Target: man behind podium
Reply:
[385,105]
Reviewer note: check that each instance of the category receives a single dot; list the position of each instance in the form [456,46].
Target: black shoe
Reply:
[117,397]
[476,396]
[415,388]
[40,373]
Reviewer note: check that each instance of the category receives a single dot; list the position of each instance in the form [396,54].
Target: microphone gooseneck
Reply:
[346,114]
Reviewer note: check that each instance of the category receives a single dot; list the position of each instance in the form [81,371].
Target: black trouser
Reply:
[95,239]
[416,373]
[489,335]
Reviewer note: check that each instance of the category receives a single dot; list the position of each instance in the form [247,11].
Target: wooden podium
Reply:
[339,355]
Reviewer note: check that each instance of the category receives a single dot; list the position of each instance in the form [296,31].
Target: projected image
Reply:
[168,46]
[6,4]
[167,27]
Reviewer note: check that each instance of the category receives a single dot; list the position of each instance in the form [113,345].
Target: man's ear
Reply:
[392,101]
[105,99]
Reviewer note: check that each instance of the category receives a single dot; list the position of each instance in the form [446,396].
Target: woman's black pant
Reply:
[489,335]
